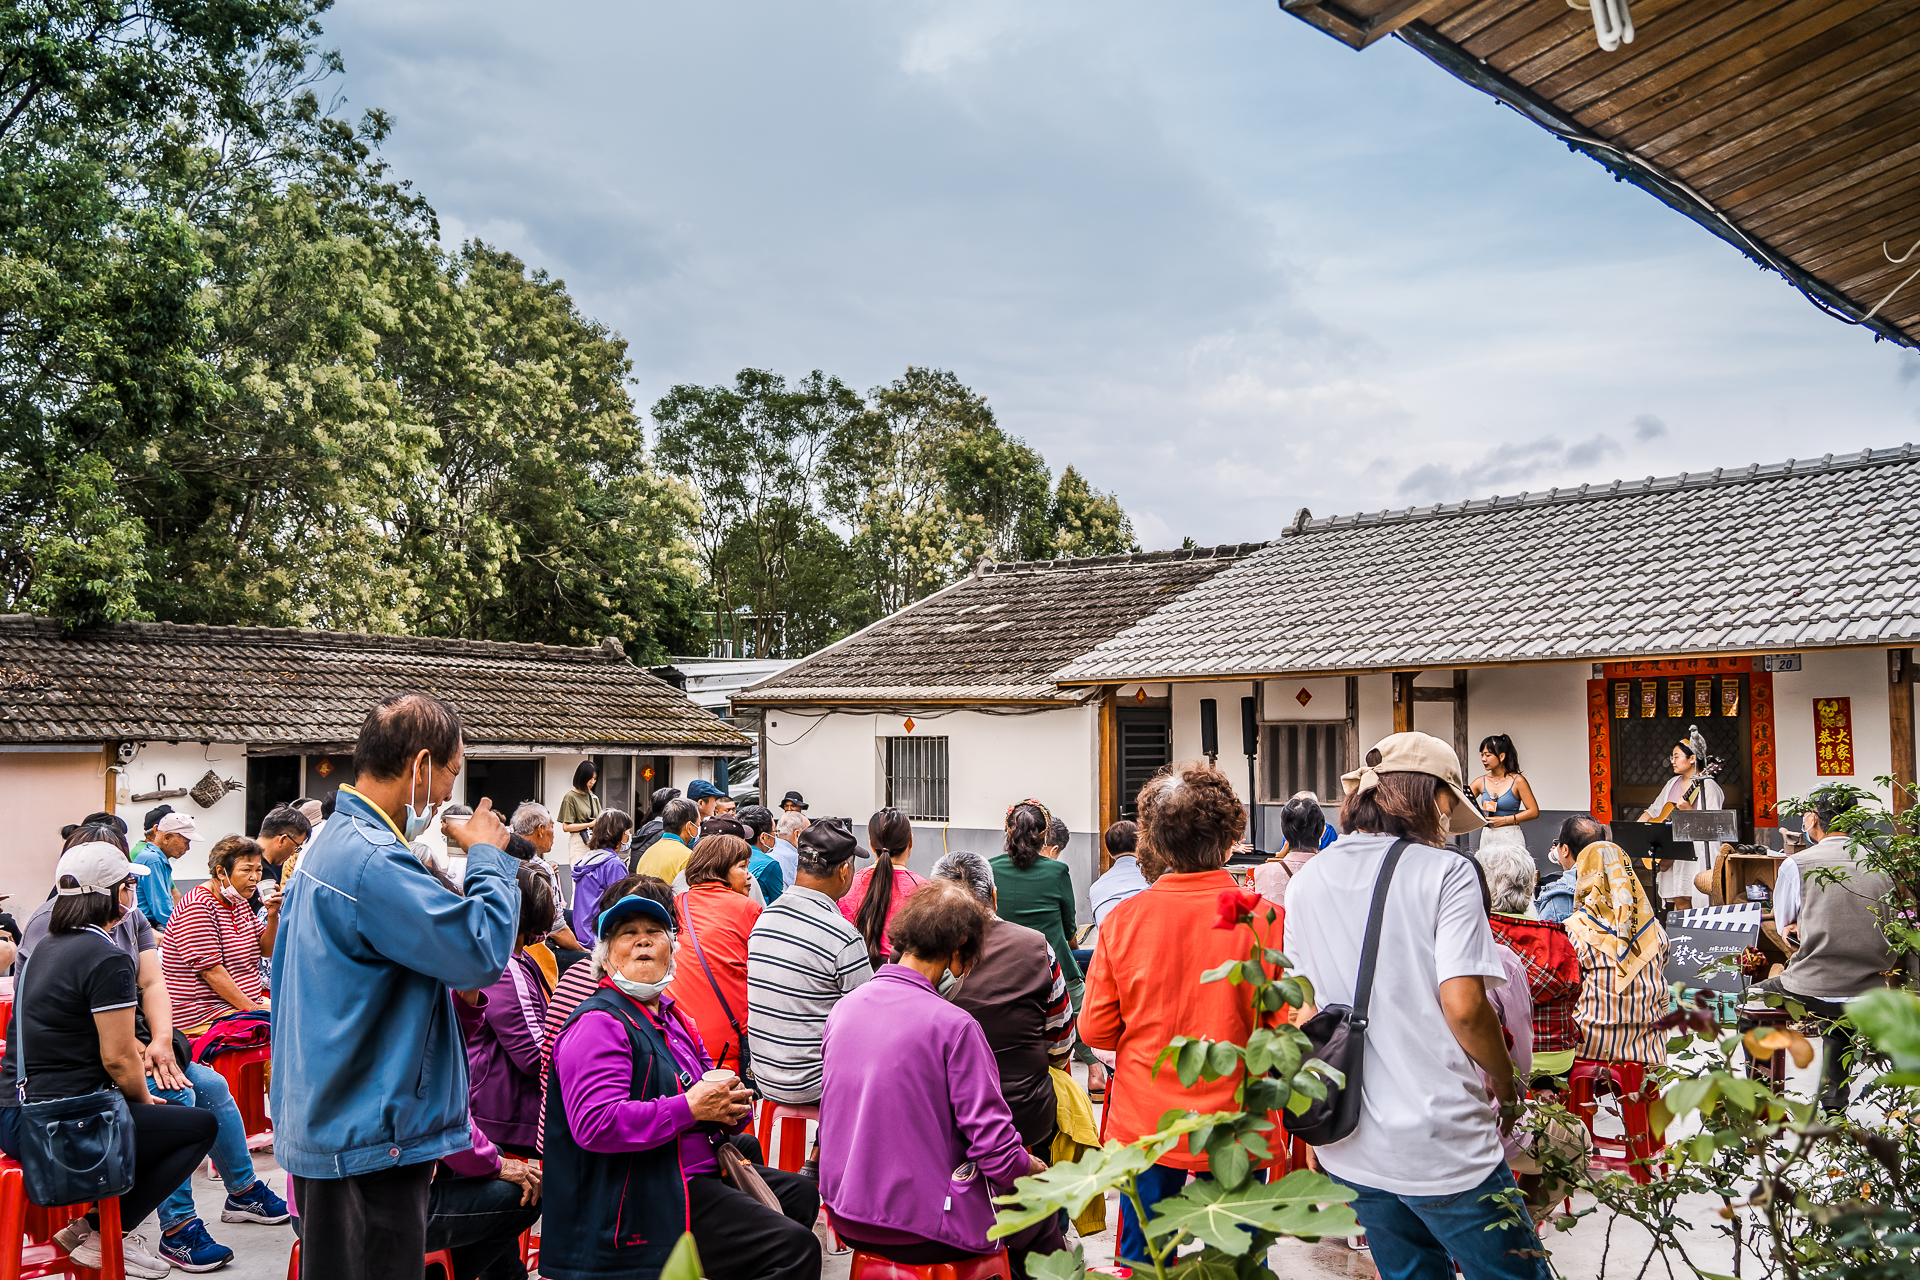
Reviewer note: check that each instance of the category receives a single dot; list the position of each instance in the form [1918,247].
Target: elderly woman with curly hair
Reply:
[1144,987]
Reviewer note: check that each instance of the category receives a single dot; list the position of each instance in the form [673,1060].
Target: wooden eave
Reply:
[1789,129]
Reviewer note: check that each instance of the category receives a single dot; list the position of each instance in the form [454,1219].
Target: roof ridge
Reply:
[310,638]
[1304,523]
[1222,551]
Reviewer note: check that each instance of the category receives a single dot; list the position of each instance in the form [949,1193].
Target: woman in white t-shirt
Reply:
[1686,789]
[1427,1151]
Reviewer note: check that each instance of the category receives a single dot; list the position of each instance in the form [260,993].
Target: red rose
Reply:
[1236,907]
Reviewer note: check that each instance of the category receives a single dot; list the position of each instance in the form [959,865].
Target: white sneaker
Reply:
[80,1243]
[141,1260]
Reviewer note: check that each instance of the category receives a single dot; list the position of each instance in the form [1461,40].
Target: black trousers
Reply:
[369,1227]
[479,1220]
[168,1142]
[1836,1037]
[741,1239]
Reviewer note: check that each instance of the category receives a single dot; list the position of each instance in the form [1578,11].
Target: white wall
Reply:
[1860,675]
[1544,710]
[184,764]
[1227,693]
[43,791]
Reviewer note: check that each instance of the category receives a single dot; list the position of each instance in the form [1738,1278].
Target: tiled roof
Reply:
[264,686]
[1799,555]
[997,635]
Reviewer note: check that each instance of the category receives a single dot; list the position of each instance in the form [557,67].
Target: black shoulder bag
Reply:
[1338,1033]
[739,1032]
[71,1149]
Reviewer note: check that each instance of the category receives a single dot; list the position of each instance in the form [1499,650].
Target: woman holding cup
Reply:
[635,1110]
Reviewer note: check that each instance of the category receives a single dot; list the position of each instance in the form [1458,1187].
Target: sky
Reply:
[1222,264]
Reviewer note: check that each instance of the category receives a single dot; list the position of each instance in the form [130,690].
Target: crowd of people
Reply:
[470,1042]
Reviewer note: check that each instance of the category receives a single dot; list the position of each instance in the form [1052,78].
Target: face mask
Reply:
[644,992]
[417,822]
[231,894]
[949,985]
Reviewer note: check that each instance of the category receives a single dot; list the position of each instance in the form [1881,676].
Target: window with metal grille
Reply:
[1302,757]
[917,777]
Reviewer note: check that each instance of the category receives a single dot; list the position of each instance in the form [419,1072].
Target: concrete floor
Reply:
[261,1252]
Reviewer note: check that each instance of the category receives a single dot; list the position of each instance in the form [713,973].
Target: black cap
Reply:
[153,817]
[795,799]
[827,843]
[756,818]
[721,824]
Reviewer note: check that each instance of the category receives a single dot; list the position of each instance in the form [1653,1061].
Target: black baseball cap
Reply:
[153,817]
[827,843]
[721,824]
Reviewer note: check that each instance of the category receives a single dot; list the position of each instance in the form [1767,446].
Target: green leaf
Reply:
[1068,1186]
[1229,1163]
[1171,1051]
[1891,1021]
[1062,1265]
[1193,1056]
[1220,971]
[1223,1059]
[1703,1148]
[1226,1219]
[684,1262]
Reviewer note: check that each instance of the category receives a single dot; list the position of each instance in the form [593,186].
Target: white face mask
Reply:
[644,992]
[417,822]
[231,894]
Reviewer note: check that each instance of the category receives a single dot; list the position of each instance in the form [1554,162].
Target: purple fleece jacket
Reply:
[591,876]
[503,1034]
[913,1130]
[595,1059]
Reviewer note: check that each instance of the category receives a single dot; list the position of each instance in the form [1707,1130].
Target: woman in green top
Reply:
[578,808]
[1037,892]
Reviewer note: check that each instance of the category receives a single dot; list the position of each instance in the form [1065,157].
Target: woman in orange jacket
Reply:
[1144,987]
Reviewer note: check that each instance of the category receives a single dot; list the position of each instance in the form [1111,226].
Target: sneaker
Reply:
[140,1258]
[78,1242]
[256,1204]
[190,1248]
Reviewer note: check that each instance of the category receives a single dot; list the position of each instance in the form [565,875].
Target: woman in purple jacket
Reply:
[503,1025]
[609,836]
[915,1139]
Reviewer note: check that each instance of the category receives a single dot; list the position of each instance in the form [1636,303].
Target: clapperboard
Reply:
[1705,934]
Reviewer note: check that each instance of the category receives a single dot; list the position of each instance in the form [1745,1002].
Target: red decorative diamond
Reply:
[909,724]
[1303,697]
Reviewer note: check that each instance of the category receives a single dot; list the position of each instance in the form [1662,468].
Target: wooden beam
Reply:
[109,759]
[1403,697]
[1352,735]
[1460,721]
[1900,724]
[1396,16]
[1109,748]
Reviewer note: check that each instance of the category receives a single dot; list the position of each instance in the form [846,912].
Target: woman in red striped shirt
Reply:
[214,941]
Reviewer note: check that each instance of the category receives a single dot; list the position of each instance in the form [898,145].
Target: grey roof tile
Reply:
[266,686]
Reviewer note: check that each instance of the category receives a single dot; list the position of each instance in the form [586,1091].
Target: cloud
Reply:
[1170,244]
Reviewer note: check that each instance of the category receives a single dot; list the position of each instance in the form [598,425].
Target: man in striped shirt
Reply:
[802,956]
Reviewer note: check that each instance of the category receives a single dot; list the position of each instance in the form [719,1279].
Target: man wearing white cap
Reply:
[1425,1156]
[171,836]
[73,1022]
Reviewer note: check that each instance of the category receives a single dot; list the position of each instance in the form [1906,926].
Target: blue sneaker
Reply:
[258,1204]
[192,1249]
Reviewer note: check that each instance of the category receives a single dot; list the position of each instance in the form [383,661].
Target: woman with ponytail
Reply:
[879,890]
[1037,891]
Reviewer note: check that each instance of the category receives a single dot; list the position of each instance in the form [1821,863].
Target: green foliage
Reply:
[684,1262]
[1803,1195]
[821,511]
[1236,1217]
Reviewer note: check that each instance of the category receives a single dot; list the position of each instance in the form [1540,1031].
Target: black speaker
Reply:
[1250,726]
[1209,728]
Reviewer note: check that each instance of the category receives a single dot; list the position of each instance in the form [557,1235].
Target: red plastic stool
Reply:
[245,1071]
[989,1266]
[1627,1080]
[441,1259]
[24,1260]
[789,1126]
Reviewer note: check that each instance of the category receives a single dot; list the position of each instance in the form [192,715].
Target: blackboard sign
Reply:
[1705,934]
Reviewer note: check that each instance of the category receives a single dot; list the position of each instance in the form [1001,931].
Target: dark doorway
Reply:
[271,782]
[1641,745]
[1145,746]
[505,782]
[615,786]
[325,774]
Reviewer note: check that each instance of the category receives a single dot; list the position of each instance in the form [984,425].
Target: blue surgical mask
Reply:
[644,992]
[417,822]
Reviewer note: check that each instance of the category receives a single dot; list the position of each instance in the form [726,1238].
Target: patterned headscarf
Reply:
[1612,913]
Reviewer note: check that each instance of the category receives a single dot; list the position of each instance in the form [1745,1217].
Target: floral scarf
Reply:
[1612,914]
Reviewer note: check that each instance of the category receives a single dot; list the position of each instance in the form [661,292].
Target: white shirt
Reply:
[1786,885]
[1428,1126]
[1122,880]
[1677,880]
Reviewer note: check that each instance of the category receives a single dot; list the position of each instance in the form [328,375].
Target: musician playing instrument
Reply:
[1689,788]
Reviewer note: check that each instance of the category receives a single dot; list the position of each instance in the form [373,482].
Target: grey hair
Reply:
[1510,879]
[789,824]
[530,817]
[969,869]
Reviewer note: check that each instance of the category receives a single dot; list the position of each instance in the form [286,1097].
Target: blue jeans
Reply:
[1421,1237]
[1156,1184]
[207,1090]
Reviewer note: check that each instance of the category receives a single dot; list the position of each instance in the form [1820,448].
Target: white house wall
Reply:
[1860,675]
[836,760]
[185,763]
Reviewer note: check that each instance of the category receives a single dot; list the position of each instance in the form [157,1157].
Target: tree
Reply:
[1086,522]
[754,453]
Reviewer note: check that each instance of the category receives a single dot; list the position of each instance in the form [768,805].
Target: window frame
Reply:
[931,780]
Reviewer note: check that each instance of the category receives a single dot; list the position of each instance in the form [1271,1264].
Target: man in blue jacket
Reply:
[370,1073]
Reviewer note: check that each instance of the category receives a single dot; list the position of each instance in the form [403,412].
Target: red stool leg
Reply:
[793,1143]
[13,1215]
[443,1260]
[293,1262]
[113,1263]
